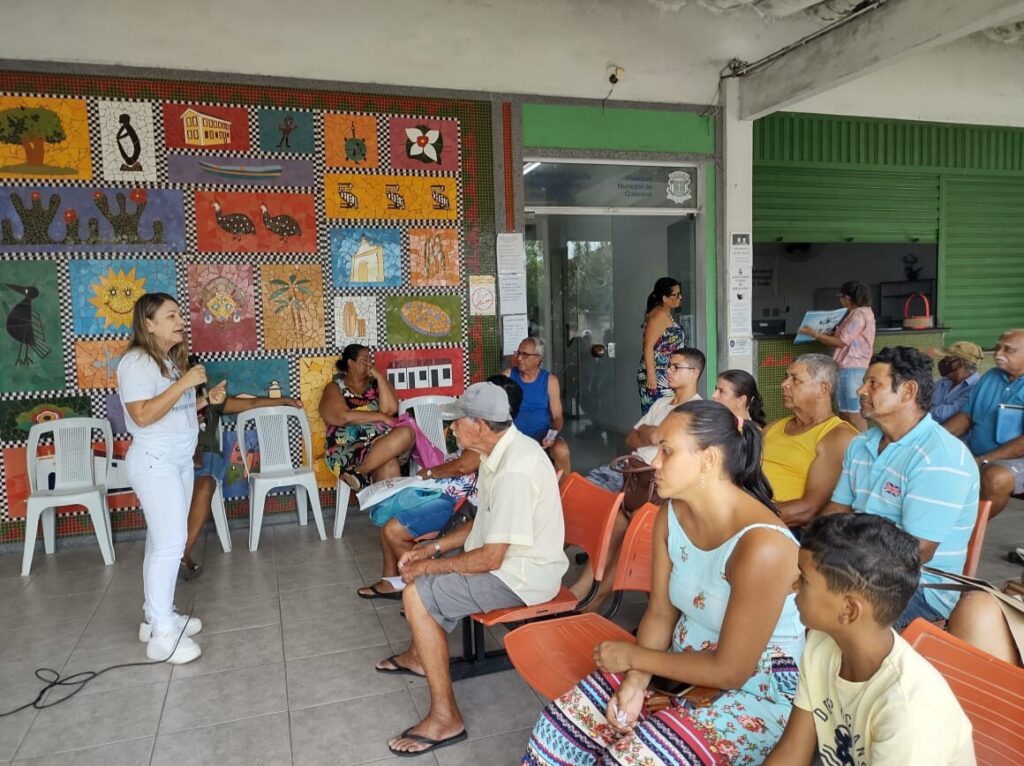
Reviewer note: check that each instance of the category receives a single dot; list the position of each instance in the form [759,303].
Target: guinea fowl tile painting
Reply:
[249,222]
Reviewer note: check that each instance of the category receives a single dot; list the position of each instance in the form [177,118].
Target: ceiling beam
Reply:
[875,39]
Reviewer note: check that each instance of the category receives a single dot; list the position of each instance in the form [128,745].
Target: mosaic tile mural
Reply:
[288,223]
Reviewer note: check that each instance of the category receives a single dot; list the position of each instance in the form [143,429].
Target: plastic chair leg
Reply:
[257,498]
[314,502]
[342,495]
[97,510]
[300,504]
[32,515]
[49,518]
[220,518]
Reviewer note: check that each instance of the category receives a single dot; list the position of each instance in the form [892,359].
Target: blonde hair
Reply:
[143,340]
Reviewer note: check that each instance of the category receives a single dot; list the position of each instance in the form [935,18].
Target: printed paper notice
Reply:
[512,292]
[739,346]
[741,314]
[741,251]
[511,253]
[481,295]
[514,327]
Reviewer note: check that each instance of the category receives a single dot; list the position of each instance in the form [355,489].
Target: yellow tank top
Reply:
[787,459]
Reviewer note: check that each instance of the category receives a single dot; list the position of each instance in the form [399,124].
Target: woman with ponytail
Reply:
[721,614]
[662,336]
[737,390]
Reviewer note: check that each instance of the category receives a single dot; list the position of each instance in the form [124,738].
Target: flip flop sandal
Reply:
[391,595]
[398,669]
[432,744]
[186,572]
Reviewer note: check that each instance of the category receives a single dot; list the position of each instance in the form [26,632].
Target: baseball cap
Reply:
[485,401]
[965,350]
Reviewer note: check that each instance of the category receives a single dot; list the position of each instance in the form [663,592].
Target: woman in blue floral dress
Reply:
[359,407]
[721,614]
[662,336]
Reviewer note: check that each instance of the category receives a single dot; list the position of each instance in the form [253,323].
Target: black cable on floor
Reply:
[54,680]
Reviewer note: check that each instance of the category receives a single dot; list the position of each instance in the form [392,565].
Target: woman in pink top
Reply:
[852,343]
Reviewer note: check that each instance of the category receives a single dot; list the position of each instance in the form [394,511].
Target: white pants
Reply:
[162,480]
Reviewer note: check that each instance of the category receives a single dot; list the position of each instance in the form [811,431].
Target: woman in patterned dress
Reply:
[662,336]
[359,407]
[721,614]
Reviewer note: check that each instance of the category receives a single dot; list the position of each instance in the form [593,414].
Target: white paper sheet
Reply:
[511,252]
[512,292]
[482,300]
[514,328]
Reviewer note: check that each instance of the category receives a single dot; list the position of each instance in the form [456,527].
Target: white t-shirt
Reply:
[518,504]
[139,379]
[660,410]
[904,715]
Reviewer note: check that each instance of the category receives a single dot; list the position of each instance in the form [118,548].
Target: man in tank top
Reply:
[803,452]
[540,415]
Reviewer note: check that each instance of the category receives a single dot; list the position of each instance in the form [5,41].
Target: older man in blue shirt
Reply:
[910,470]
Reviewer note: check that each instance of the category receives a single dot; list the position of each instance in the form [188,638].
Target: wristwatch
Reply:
[430,473]
[437,550]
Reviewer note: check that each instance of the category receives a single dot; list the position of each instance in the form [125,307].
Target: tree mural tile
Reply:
[293,305]
[222,307]
[58,220]
[44,138]
[103,293]
[366,257]
[434,257]
[127,141]
[30,340]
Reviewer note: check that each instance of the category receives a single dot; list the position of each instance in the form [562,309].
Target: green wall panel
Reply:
[803,204]
[981,257]
[818,139]
[558,126]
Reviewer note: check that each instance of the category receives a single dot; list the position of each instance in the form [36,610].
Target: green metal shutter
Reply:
[804,204]
[981,257]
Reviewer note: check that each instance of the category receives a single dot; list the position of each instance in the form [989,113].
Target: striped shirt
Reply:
[926,483]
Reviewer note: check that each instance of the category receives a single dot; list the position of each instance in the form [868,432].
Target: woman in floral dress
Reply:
[662,336]
[359,407]
[721,614]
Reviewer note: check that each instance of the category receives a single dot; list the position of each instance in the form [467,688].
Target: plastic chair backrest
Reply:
[589,513]
[272,435]
[990,691]
[977,538]
[427,412]
[635,556]
[73,458]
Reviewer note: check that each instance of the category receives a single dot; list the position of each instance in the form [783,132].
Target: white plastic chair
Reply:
[217,510]
[75,483]
[427,412]
[276,469]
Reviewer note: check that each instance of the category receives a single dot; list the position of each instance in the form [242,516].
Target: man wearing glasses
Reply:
[959,371]
[540,415]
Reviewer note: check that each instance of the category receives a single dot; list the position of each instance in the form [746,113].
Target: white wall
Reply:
[973,80]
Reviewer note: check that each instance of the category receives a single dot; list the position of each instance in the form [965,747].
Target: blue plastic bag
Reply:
[406,500]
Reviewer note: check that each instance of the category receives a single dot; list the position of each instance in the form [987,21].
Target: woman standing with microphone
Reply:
[157,389]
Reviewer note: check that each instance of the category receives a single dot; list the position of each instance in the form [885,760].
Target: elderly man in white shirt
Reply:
[511,555]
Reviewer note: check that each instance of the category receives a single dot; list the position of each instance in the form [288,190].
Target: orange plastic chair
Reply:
[977,540]
[990,691]
[589,513]
[553,655]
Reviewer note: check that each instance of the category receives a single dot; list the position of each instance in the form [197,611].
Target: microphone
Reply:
[193,360]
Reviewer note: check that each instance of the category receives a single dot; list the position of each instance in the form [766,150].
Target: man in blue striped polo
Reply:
[909,469]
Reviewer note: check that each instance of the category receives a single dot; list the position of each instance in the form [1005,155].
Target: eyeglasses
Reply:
[681,367]
[525,353]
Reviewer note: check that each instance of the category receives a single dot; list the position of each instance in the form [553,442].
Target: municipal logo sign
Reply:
[680,187]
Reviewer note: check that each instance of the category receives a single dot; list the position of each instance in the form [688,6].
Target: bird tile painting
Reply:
[30,343]
[249,222]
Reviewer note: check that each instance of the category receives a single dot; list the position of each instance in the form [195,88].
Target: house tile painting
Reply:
[287,223]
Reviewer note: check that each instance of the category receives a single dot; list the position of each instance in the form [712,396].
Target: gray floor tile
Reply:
[59,583]
[89,720]
[233,650]
[37,612]
[492,704]
[132,752]
[332,633]
[121,632]
[221,697]
[119,678]
[235,616]
[13,728]
[48,646]
[340,572]
[356,731]
[262,741]
[341,676]
[323,600]
[497,750]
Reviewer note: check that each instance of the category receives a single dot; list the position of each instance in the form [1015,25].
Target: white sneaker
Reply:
[192,626]
[162,649]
